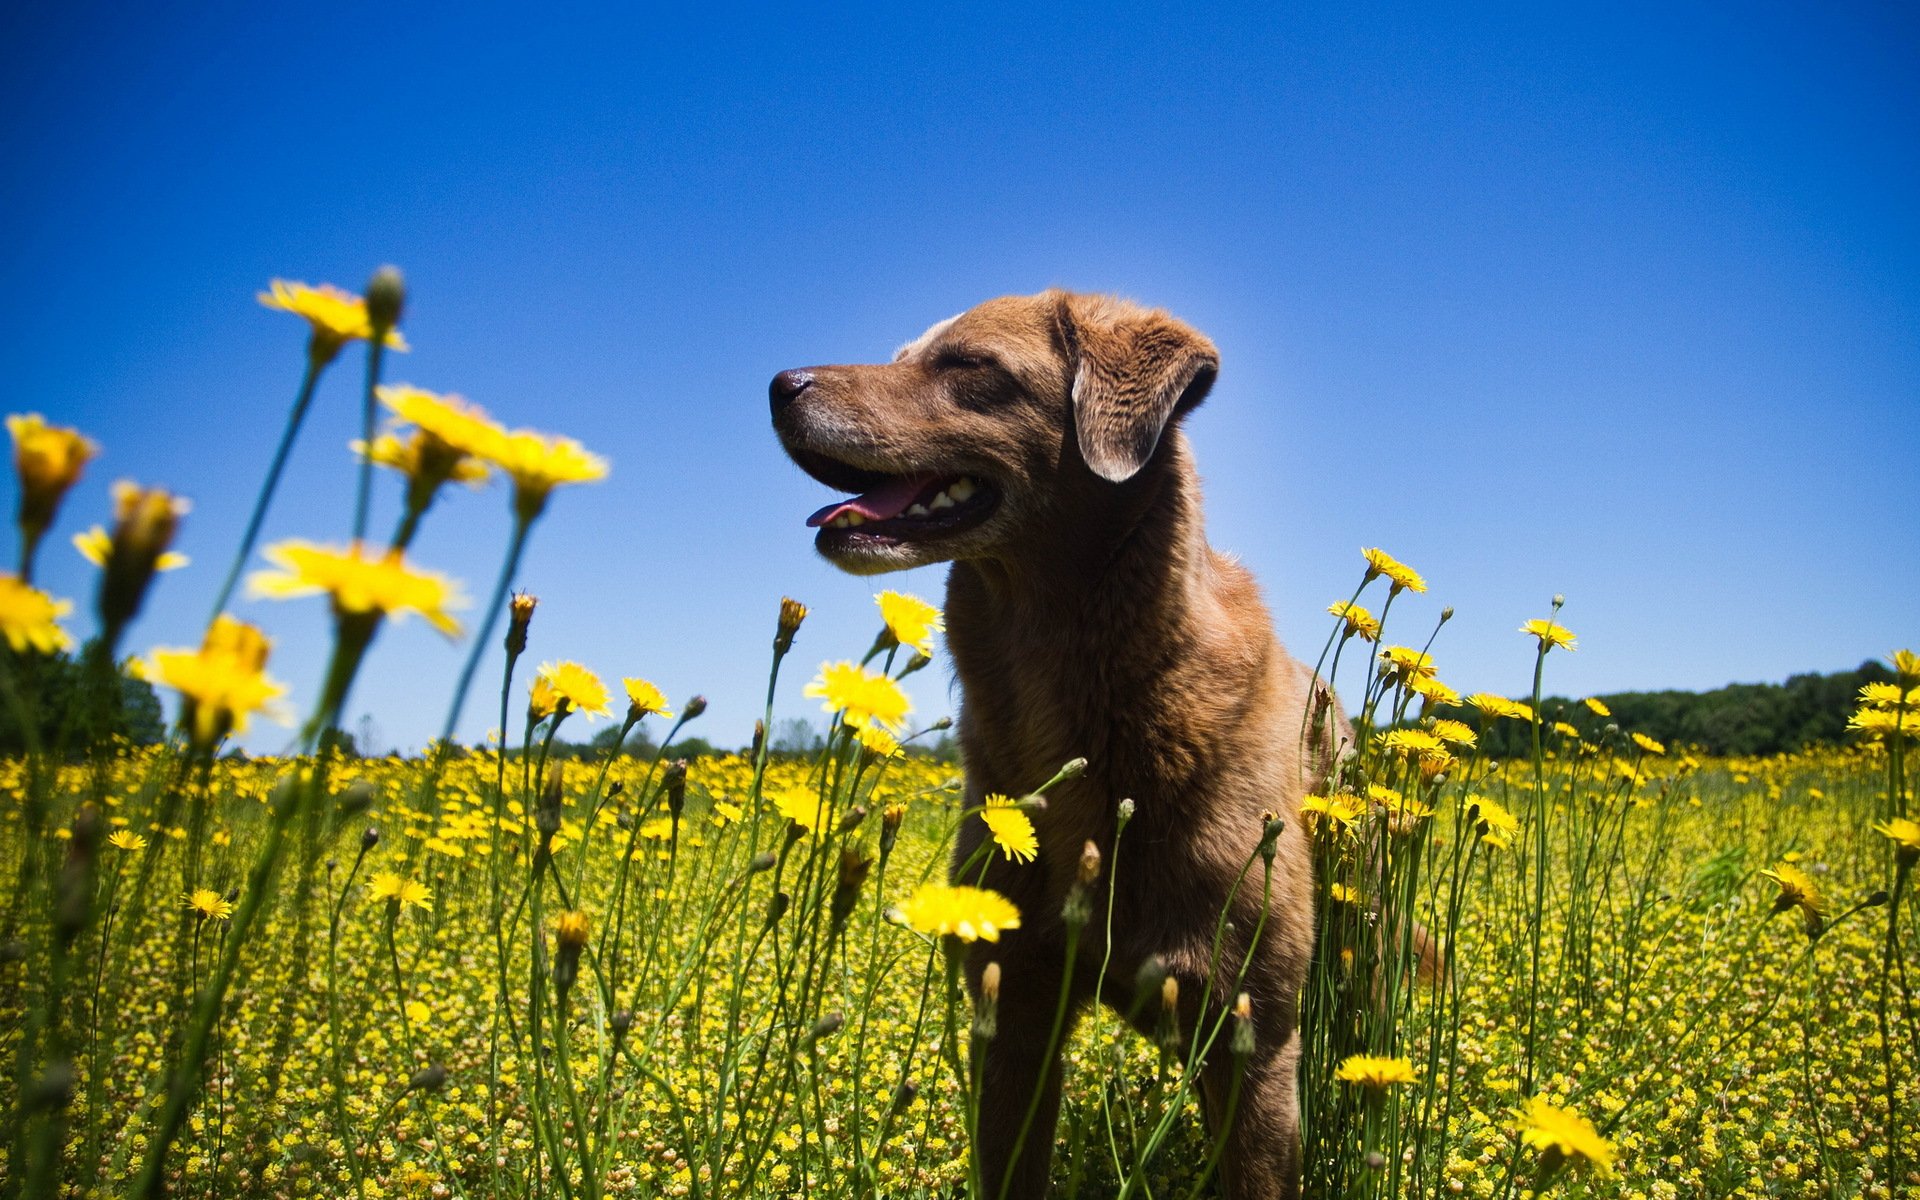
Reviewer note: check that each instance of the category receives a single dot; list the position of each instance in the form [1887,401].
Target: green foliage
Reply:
[62,706]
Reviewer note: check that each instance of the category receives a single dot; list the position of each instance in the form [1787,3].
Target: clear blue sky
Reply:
[1619,302]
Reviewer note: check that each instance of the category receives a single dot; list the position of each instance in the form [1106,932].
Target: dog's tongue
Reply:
[887,500]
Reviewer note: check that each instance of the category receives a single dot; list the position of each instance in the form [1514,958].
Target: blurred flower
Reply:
[359,584]
[1332,814]
[1904,832]
[1597,707]
[336,315]
[1798,890]
[96,544]
[221,684]
[571,928]
[1011,828]
[911,620]
[1494,823]
[877,741]
[145,522]
[399,892]
[1563,1132]
[968,913]
[1648,744]
[1375,1074]
[863,697]
[801,805]
[538,463]
[121,839]
[29,618]
[1399,574]
[1499,706]
[48,459]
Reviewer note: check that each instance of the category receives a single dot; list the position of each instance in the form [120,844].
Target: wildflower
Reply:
[1405,662]
[1563,1133]
[221,684]
[1433,691]
[1399,574]
[1881,722]
[1648,744]
[336,315]
[644,698]
[1413,743]
[1495,825]
[519,618]
[1551,635]
[96,544]
[1906,665]
[1012,829]
[360,585]
[1565,730]
[579,687]
[1336,813]
[1375,1074]
[209,904]
[1455,733]
[1798,890]
[145,521]
[792,613]
[1342,894]
[862,697]
[1499,706]
[1904,832]
[571,929]
[910,620]
[1357,621]
[543,700]
[968,913]
[800,805]
[1597,707]
[48,459]
[538,464]
[29,618]
[122,839]
[877,741]
[1404,813]
[399,892]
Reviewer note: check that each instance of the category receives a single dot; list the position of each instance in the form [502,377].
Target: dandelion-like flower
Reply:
[1646,743]
[126,839]
[145,521]
[801,805]
[223,683]
[543,699]
[1904,833]
[1404,662]
[1499,706]
[336,315]
[96,545]
[644,698]
[1597,706]
[1560,1131]
[877,741]
[1906,665]
[209,904]
[1398,574]
[863,697]
[911,620]
[400,892]
[48,459]
[1433,691]
[360,584]
[1331,815]
[579,687]
[1375,1073]
[1798,890]
[1551,634]
[538,463]
[1495,825]
[1456,733]
[30,619]
[571,928]
[1011,828]
[968,913]
[1356,620]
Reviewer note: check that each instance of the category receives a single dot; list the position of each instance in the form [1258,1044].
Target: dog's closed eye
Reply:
[955,358]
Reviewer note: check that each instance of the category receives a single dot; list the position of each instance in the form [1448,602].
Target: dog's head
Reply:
[1020,418]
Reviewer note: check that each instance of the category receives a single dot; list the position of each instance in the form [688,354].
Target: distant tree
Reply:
[796,735]
[69,712]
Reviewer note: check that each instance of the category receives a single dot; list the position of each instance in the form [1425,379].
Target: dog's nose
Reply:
[787,386]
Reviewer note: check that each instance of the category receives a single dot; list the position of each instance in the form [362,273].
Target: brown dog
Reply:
[1034,443]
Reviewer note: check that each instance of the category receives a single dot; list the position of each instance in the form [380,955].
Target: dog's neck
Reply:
[1102,642]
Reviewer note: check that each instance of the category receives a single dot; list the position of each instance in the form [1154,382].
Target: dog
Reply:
[1034,443]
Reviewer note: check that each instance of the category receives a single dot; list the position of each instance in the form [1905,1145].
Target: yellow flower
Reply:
[1500,706]
[1405,661]
[726,812]
[209,903]
[1550,634]
[863,697]
[542,700]
[1648,744]
[1011,828]
[144,523]
[1565,730]
[1434,692]
[1798,890]
[579,687]
[644,698]
[1357,620]
[801,805]
[30,618]
[96,544]
[1457,732]
[911,620]
[1399,574]
[1336,813]
[968,913]
[1561,1131]
[538,464]
[336,315]
[1342,894]
[877,741]
[1376,1074]
[1495,824]
[360,584]
[1906,665]
[221,684]
[400,892]
[48,459]
[571,928]
[1597,707]
[121,839]
[1413,743]
[1404,813]
[416,458]
[1905,835]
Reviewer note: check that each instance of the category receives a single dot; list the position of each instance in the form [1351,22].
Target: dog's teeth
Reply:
[962,489]
[941,501]
[918,510]
[841,522]
[856,519]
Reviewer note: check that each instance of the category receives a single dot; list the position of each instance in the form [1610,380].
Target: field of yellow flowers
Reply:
[498,971]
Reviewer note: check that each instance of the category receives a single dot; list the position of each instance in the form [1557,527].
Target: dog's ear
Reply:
[1134,370]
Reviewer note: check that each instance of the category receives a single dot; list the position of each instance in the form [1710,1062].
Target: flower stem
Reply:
[294,419]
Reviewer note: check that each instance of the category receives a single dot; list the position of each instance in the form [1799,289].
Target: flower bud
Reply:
[890,819]
[776,908]
[986,1013]
[48,459]
[762,861]
[792,612]
[850,820]
[1089,864]
[145,521]
[428,1079]
[519,617]
[1125,812]
[1242,1044]
[826,1027]
[675,782]
[386,297]
[620,1022]
[853,873]
[694,708]
[369,839]
[903,1097]
[1074,768]
[356,798]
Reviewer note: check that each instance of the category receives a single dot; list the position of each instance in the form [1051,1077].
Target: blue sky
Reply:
[1615,301]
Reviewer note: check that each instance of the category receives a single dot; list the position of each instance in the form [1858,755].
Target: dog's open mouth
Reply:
[897,508]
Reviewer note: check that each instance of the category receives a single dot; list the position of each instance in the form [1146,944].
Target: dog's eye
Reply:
[960,360]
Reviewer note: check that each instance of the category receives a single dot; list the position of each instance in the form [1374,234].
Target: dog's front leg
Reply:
[1262,1159]
[1019,1078]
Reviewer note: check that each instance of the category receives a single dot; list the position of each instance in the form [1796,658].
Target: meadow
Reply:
[496,971]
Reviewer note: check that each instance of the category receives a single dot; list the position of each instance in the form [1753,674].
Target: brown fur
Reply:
[1089,617]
